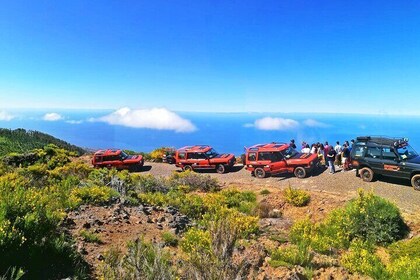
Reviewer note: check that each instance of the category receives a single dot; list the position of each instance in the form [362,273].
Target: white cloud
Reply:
[314,123]
[74,122]
[52,117]
[155,118]
[249,125]
[4,116]
[269,123]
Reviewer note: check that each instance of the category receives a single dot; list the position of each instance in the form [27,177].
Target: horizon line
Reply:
[211,112]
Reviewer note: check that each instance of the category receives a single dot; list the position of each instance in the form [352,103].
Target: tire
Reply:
[187,168]
[415,182]
[220,168]
[366,174]
[300,172]
[260,173]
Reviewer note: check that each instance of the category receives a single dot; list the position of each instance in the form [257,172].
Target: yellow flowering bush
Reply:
[361,258]
[97,195]
[296,197]
[196,241]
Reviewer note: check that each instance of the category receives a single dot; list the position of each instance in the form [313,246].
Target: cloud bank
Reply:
[270,123]
[155,118]
[52,117]
[4,116]
[314,123]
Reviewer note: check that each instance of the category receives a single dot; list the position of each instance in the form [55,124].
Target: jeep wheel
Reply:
[220,168]
[300,172]
[366,174]
[187,168]
[415,182]
[259,173]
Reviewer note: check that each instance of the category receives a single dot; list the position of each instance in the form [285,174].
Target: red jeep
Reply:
[203,157]
[117,159]
[266,159]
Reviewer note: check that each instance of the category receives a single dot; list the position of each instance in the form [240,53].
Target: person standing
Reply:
[292,144]
[346,157]
[306,150]
[338,149]
[331,159]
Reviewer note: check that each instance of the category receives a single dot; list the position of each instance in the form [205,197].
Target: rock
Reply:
[98,222]
[161,219]
[69,222]
[86,225]
[82,250]
[100,257]
[150,221]
[171,210]
[125,216]
[159,226]
[147,210]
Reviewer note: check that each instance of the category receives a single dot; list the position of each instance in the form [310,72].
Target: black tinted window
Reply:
[358,151]
[388,153]
[252,156]
[373,152]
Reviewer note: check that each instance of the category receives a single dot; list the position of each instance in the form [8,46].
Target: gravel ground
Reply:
[344,184]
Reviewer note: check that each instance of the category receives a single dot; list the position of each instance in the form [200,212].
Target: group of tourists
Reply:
[329,155]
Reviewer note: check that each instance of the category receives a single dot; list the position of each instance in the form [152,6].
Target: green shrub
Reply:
[150,183]
[292,255]
[209,253]
[244,201]
[264,192]
[29,234]
[372,218]
[361,258]
[367,218]
[195,181]
[13,274]
[297,198]
[143,260]
[404,268]
[405,248]
[95,195]
[302,232]
[405,259]
[169,239]
[90,237]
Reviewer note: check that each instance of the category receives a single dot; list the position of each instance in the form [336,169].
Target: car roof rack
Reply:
[383,140]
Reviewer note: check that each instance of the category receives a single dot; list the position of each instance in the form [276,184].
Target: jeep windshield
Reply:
[211,153]
[289,153]
[407,152]
[123,156]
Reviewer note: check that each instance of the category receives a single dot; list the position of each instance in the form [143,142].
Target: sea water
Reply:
[226,132]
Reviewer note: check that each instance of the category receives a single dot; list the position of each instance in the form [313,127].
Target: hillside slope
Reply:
[22,141]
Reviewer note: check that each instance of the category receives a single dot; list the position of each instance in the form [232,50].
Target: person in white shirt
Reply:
[338,149]
[306,150]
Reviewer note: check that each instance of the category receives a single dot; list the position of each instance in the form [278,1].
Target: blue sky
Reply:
[212,56]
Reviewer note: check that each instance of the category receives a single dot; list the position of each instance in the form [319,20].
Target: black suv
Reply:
[386,156]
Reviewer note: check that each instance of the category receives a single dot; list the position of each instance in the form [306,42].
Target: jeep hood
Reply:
[415,160]
[303,158]
[224,156]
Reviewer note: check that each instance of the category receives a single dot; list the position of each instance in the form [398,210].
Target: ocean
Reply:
[226,132]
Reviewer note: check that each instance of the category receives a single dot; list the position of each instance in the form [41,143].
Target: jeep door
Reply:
[392,165]
[202,160]
[278,163]
[373,158]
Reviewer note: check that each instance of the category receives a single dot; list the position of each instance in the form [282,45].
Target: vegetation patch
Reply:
[296,197]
